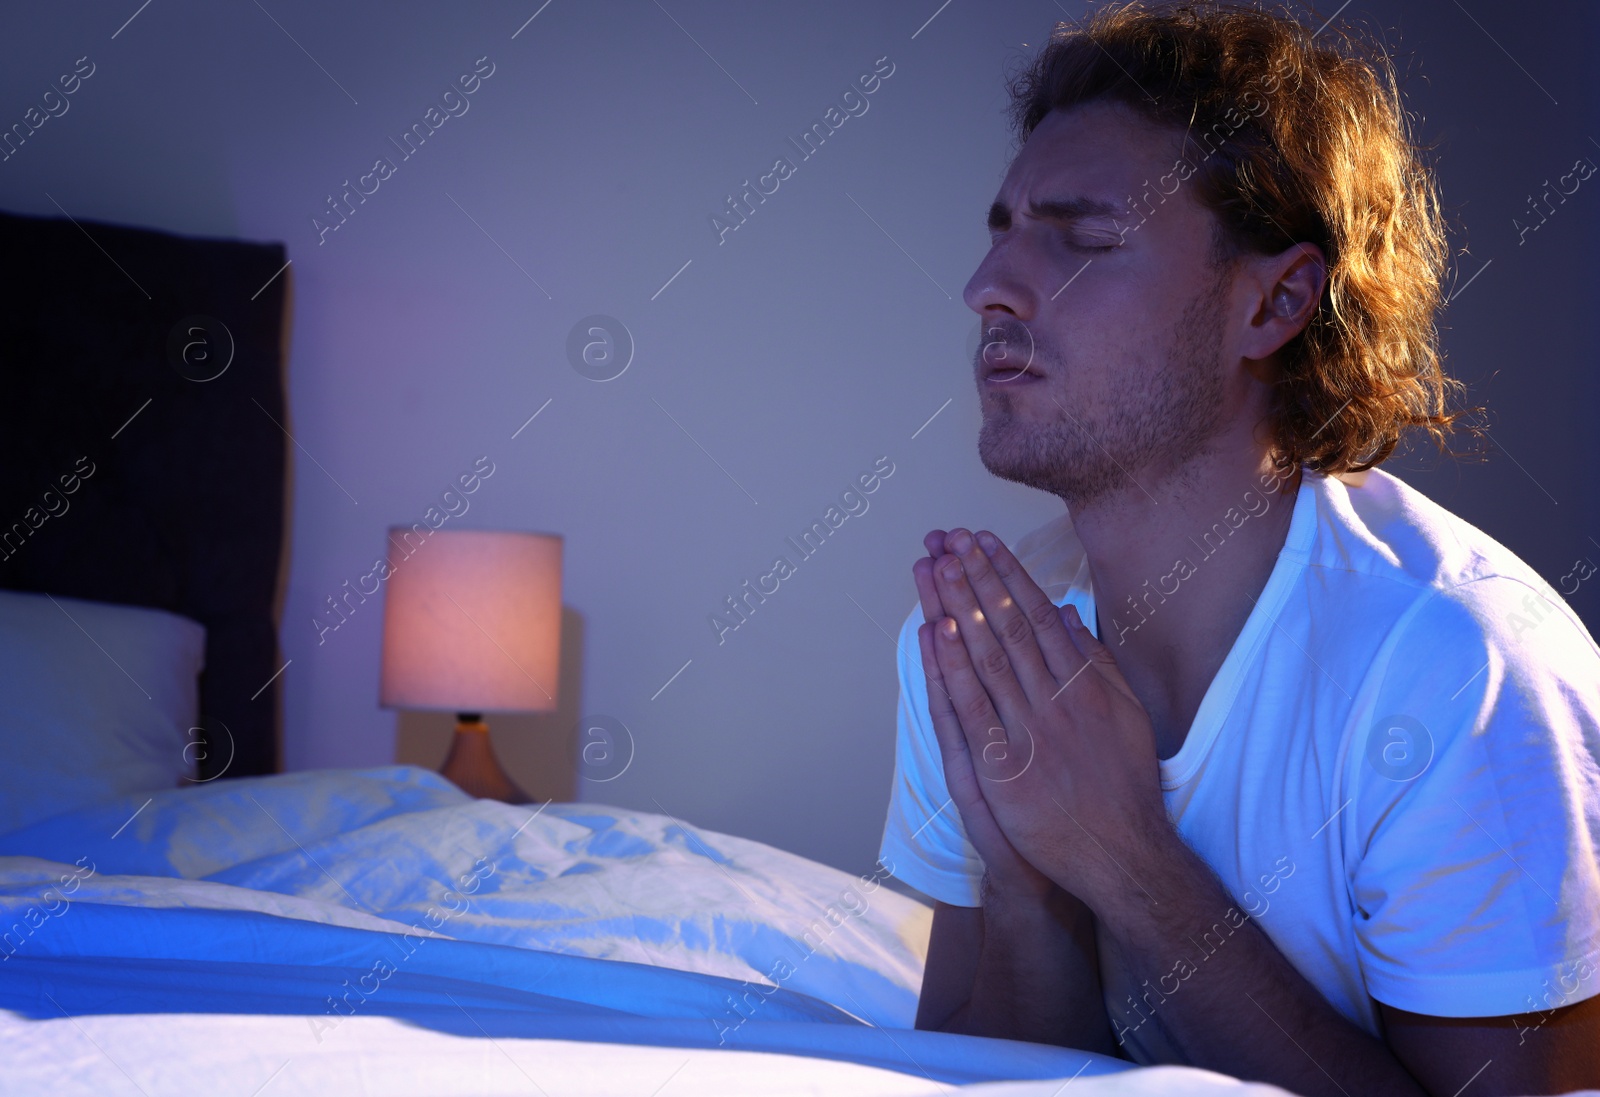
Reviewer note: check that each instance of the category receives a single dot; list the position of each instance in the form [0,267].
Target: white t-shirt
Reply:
[1395,772]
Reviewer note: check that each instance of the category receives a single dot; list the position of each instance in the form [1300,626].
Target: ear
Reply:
[1287,290]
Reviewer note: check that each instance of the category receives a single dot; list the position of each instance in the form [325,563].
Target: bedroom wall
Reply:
[821,341]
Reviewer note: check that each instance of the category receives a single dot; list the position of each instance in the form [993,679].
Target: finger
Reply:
[1011,626]
[980,724]
[960,776]
[927,590]
[1061,655]
[922,575]
[1096,652]
[983,652]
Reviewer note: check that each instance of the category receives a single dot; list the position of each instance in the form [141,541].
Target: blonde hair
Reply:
[1303,143]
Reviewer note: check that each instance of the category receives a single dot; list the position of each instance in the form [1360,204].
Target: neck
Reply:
[1178,560]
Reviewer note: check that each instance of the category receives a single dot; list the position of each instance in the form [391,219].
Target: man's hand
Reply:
[1061,752]
[1005,869]
[1024,965]
[1065,759]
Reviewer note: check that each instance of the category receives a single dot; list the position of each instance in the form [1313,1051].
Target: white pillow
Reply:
[96,700]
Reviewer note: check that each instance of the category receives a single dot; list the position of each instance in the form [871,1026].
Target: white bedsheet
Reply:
[217,939]
[382,1057]
[390,848]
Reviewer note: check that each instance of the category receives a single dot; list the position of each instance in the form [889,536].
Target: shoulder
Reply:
[1474,665]
[1444,591]
[1376,524]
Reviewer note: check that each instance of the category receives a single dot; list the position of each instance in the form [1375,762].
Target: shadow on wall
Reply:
[544,752]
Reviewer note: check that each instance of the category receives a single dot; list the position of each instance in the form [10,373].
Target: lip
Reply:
[1011,377]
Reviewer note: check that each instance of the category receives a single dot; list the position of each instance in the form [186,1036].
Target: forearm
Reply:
[1251,1013]
[1038,975]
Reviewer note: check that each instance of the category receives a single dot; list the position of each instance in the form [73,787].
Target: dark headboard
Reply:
[109,338]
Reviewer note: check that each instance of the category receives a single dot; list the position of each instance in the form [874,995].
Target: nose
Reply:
[999,285]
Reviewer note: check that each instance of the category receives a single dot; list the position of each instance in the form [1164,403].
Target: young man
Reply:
[1286,771]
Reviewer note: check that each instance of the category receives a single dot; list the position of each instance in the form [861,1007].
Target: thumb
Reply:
[1075,625]
[1088,644]
[1094,651]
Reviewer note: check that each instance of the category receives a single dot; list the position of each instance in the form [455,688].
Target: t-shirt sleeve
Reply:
[924,843]
[1477,807]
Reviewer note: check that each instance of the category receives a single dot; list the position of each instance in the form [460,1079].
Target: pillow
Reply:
[96,701]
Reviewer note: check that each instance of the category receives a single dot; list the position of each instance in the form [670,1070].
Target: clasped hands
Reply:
[1048,755]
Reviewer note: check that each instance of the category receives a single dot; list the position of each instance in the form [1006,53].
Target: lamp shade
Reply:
[472,621]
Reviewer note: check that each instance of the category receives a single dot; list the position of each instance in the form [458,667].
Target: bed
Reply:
[177,917]
[345,922]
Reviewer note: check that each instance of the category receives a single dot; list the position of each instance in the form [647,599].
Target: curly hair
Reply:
[1302,142]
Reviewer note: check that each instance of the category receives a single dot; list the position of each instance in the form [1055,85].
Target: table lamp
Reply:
[472,624]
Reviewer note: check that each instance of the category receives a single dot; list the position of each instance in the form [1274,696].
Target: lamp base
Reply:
[472,766]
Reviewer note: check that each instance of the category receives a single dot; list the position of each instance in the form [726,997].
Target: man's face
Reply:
[1127,361]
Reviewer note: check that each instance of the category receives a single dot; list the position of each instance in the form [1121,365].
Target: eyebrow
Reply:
[1056,209]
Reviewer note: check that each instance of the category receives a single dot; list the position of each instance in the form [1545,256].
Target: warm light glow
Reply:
[472,621]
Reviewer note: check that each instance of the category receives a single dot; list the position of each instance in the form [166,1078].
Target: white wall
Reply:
[775,369]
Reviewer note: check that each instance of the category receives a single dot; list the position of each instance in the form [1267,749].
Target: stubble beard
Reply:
[1159,421]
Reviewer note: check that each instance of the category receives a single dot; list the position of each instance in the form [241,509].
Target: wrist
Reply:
[1149,881]
[1011,899]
